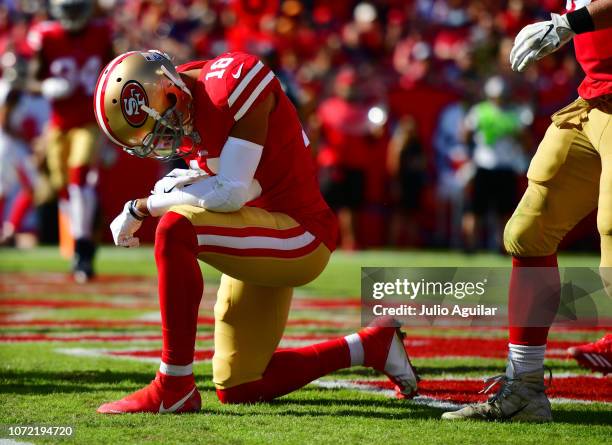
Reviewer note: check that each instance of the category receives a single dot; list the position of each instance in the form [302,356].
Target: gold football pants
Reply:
[262,256]
[68,149]
[569,176]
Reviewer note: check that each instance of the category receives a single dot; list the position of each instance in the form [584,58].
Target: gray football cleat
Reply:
[519,399]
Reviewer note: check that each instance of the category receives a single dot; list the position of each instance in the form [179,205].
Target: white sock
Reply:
[524,359]
[176,370]
[82,207]
[356,349]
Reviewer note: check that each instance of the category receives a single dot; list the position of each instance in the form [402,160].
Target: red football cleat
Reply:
[384,351]
[165,394]
[595,356]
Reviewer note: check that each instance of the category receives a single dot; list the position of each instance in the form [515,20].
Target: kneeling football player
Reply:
[250,206]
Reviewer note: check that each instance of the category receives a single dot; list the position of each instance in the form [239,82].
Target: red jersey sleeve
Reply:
[237,82]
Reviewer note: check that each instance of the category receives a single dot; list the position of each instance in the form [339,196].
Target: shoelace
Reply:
[504,389]
[506,382]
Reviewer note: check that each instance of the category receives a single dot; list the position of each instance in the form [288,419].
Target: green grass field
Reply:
[44,381]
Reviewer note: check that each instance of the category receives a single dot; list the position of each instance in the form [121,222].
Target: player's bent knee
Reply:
[523,237]
[242,394]
[174,230]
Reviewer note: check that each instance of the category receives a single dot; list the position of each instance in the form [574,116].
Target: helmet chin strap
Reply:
[176,80]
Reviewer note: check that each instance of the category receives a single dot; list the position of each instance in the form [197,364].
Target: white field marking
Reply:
[418,400]
[565,400]
[557,351]
[105,353]
[150,316]
[424,400]
[561,375]
[13,442]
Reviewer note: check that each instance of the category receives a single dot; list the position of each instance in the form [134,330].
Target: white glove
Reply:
[539,40]
[124,226]
[56,88]
[177,178]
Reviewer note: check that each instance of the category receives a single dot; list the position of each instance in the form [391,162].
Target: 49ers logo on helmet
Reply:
[133,96]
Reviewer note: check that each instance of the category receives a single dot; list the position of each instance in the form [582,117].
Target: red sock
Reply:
[21,205]
[535,288]
[290,369]
[180,287]
[78,175]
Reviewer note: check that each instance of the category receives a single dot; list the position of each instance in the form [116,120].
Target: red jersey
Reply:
[345,129]
[78,57]
[594,53]
[227,88]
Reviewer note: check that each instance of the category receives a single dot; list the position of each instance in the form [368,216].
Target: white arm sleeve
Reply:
[228,191]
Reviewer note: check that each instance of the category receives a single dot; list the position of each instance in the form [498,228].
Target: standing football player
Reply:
[569,176]
[69,54]
[250,206]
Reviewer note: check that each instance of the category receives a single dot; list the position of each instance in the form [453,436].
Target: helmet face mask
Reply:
[143,105]
[165,141]
[72,14]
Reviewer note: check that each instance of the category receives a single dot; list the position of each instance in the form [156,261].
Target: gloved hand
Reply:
[124,226]
[177,178]
[56,88]
[538,40]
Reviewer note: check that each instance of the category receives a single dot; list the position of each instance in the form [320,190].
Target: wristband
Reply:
[137,214]
[581,21]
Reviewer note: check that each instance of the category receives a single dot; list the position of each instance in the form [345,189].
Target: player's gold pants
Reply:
[70,149]
[262,255]
[569,176]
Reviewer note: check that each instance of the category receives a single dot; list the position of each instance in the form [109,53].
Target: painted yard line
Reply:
[351,385]
[437,396]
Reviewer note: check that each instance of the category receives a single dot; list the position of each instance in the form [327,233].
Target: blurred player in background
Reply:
[250,206]
[569,177]
[21,118]
[496,129]
[69,53]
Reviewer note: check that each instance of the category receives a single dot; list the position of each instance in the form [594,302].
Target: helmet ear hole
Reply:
[172,98]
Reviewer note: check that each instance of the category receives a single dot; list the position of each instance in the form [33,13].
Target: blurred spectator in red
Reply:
[342,121]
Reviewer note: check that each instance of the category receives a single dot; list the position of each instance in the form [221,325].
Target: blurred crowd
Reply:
[420,130]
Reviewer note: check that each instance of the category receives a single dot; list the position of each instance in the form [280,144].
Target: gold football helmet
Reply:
[142,104]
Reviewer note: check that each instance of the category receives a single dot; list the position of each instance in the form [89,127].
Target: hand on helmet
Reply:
[538,40]
[125,225]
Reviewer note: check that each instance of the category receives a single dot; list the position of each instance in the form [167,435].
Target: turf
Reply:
[40,385]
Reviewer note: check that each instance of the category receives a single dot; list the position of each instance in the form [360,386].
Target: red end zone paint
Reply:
[466,391]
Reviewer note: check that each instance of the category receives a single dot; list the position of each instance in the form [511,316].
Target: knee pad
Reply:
[522,237]
[526,233]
